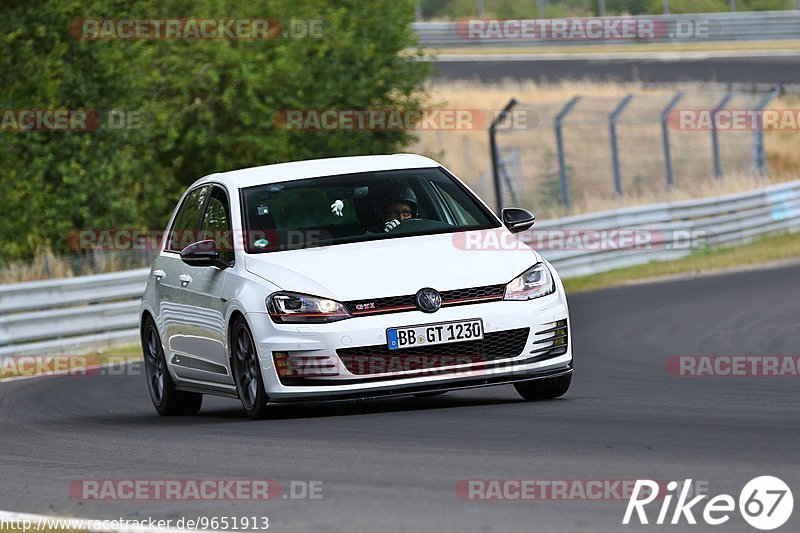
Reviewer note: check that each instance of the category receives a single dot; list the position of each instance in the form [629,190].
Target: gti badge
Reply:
[428,300]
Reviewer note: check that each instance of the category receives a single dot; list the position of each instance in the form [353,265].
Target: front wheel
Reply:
[167,400]
[544,389]
[247,371]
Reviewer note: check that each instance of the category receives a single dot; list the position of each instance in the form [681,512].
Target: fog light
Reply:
[292,366]
[560,334]
[283,365]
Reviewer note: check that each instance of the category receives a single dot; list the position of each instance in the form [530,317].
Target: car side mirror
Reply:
[518,220]
[203,254]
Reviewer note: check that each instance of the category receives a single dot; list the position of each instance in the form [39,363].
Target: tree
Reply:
[203,105]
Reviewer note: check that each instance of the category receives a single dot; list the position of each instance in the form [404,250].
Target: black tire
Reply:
[166,399]
[246,369]
[544,389]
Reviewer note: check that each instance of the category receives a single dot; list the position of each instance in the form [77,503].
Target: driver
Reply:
[401,205]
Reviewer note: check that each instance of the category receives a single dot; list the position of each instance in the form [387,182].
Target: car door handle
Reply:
[185,279]
[158,274]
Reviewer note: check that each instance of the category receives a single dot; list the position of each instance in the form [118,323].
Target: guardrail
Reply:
[672,230]
[65,315]
[742,26]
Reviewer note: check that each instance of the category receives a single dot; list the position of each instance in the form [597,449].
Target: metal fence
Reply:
[743,26]
[65,315]
[594,148]
[675,230]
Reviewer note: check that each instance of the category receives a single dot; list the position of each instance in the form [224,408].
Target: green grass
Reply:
[766,250]
[133,351]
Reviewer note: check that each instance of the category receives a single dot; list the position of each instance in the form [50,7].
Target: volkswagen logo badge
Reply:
[429,300]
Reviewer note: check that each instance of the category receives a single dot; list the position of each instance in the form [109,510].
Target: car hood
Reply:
[392,267]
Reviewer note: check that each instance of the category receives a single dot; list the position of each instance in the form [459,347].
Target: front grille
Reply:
[379,359]
[491,292]
[392,304]
[398,304]
[553,342]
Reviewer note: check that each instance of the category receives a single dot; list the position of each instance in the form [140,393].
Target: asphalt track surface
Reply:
[392,465]
[759,70]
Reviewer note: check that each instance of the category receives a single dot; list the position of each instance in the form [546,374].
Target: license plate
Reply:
[432,334]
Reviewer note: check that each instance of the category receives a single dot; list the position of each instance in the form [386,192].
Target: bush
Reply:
[204,106]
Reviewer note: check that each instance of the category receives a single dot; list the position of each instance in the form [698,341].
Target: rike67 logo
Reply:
[765,503]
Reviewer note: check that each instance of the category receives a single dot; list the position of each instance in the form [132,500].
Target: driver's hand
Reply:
[392,224]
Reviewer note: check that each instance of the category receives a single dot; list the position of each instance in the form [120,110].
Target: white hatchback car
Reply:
[347,278]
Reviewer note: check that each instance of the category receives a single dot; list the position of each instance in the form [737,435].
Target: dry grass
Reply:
[768,250]
[45,264]
[588,140]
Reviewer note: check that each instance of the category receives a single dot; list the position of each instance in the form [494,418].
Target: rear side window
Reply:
[186,228]
[217,224]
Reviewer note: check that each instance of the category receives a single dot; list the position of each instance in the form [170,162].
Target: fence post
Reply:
[513,156]
[498,190]
[562,160]
[665,135]
[758,161]
[715,135]
[612,124]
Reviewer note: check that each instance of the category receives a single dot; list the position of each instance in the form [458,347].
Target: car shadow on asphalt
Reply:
[352,408]
[223,410]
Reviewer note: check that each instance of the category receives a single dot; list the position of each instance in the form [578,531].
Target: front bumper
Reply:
[321,343]
[432,387]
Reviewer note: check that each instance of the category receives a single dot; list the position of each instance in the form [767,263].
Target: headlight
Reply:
[534,283]
[291,307]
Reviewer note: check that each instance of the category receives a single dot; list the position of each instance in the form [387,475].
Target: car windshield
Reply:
[358,207]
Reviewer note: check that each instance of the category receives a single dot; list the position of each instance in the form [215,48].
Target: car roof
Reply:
[279,172]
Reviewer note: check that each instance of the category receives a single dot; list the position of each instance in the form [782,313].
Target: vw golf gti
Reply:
[347,278]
